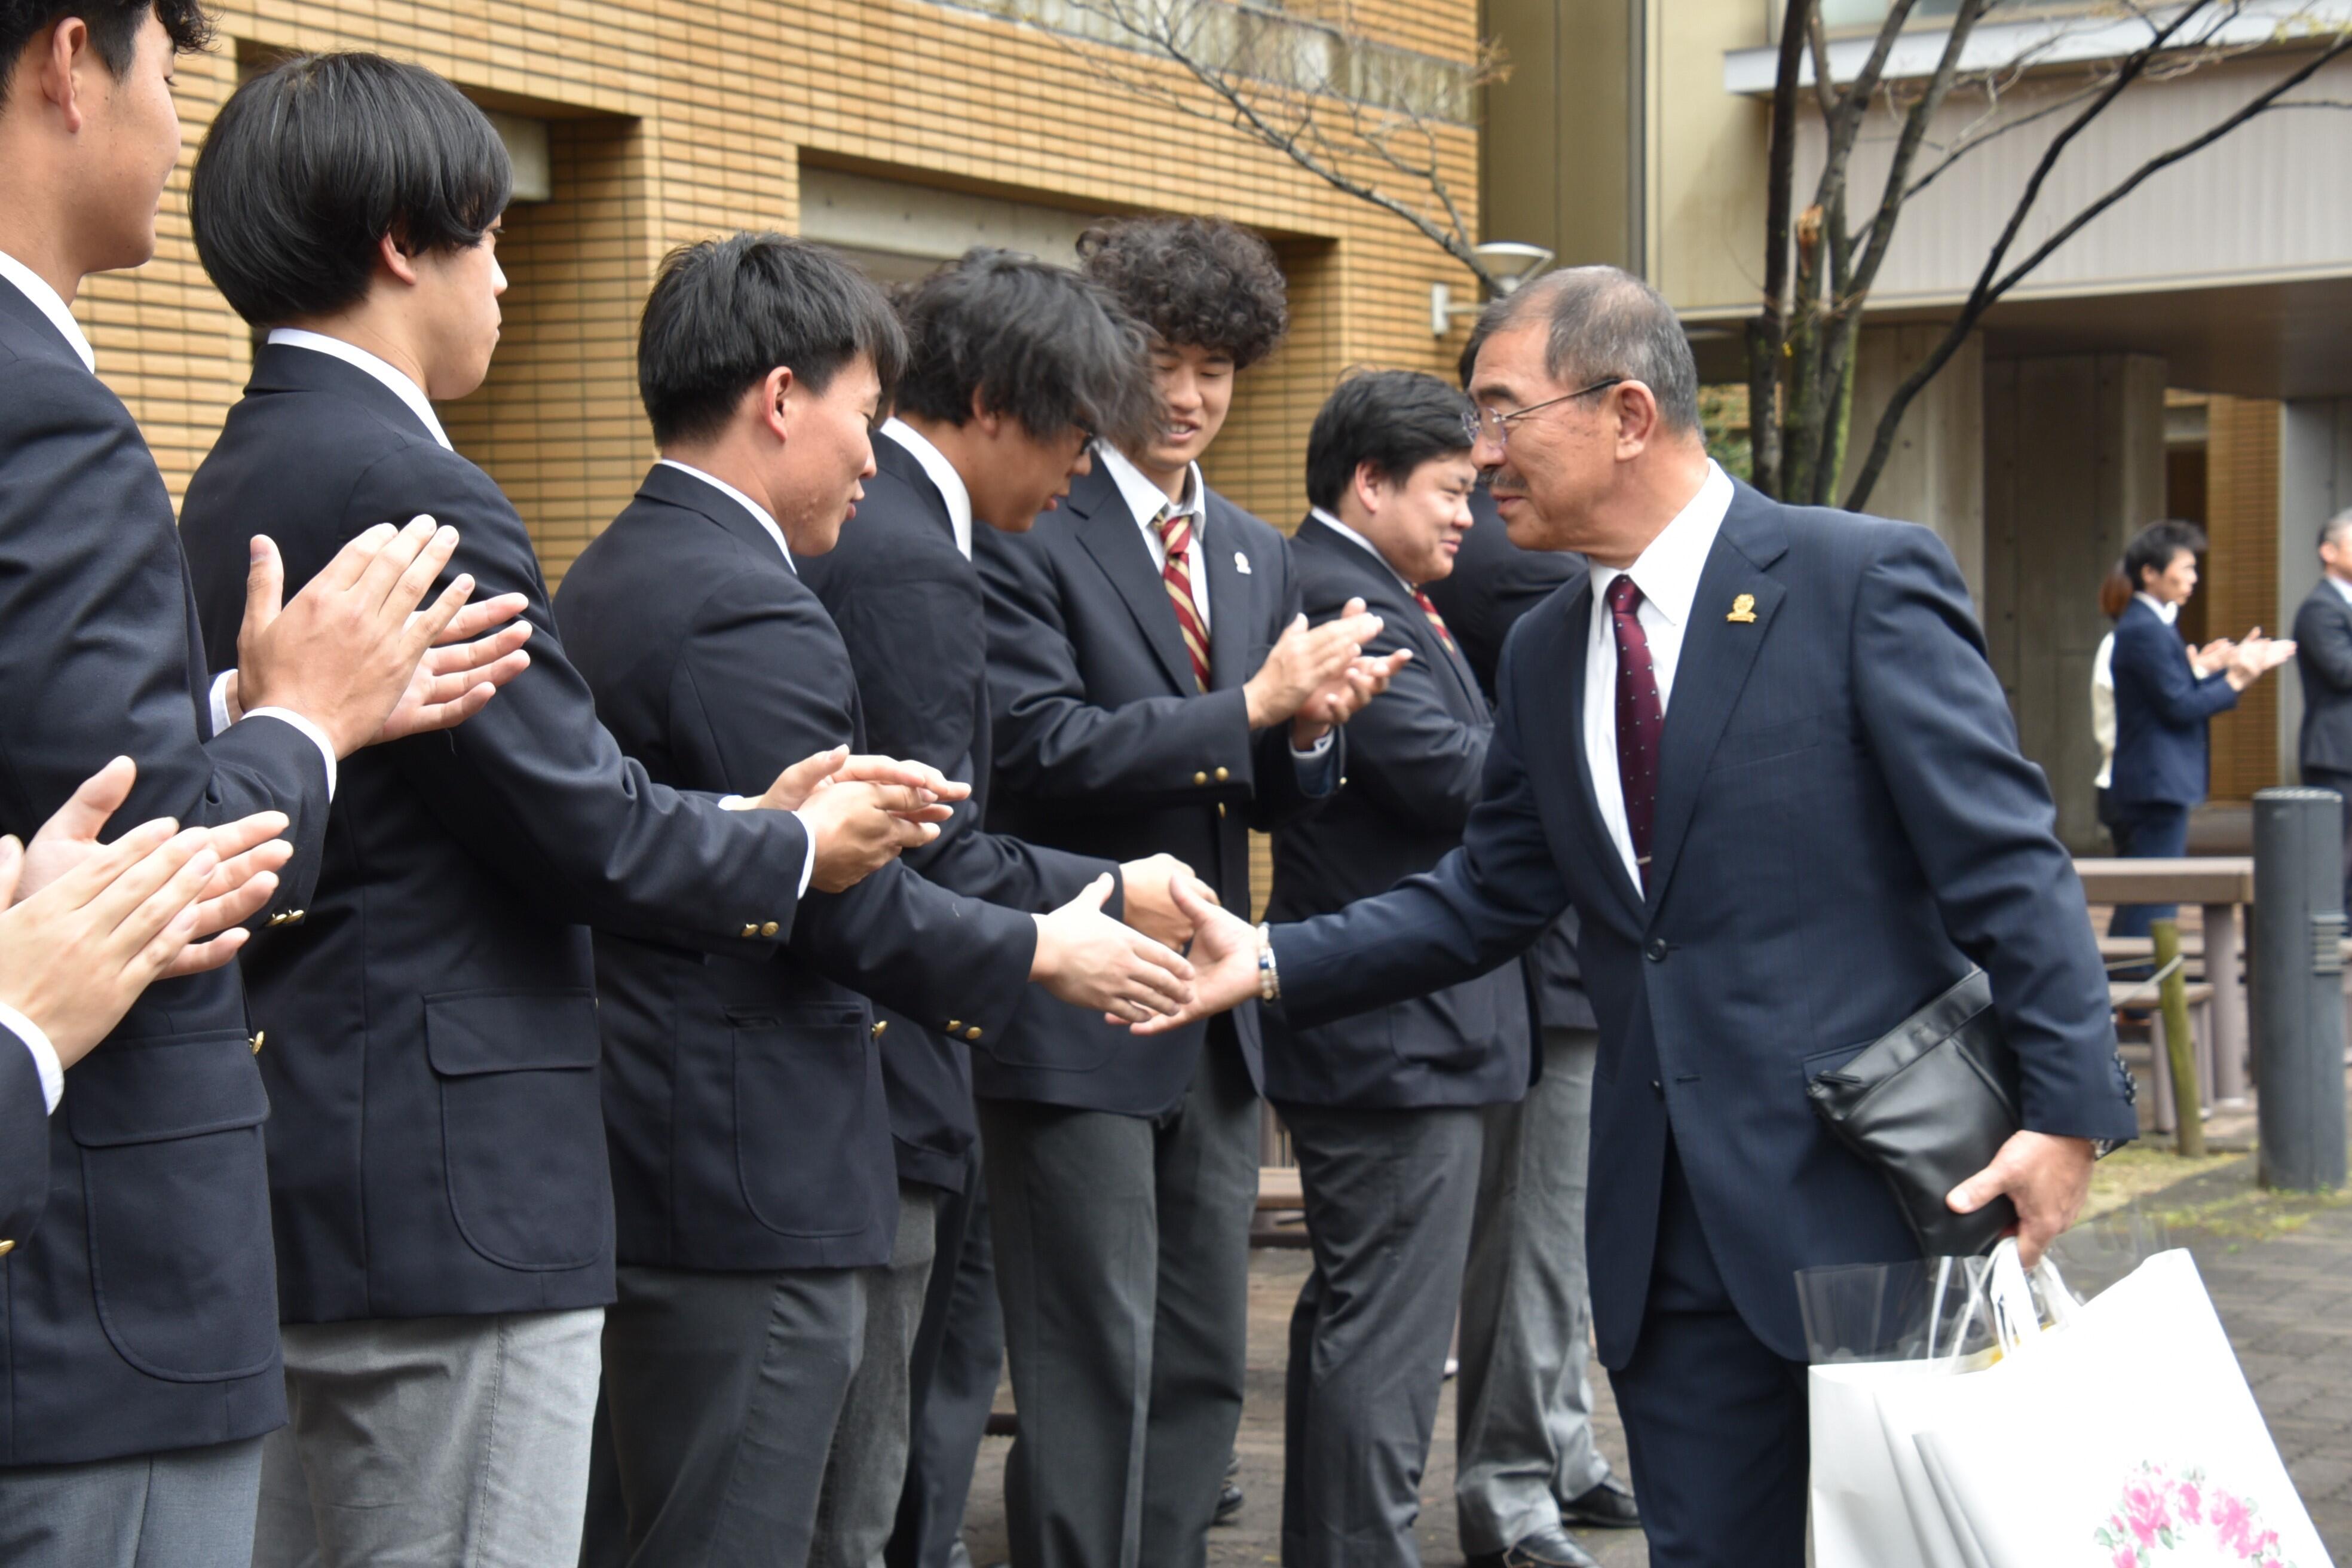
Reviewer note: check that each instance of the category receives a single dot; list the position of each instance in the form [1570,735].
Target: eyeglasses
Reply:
[1495,424]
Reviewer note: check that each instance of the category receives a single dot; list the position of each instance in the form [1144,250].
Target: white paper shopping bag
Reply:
[2126,1438]
[1872,1504]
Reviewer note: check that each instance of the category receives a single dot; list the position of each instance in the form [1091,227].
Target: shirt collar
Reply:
[1352,537]
[758,513]
[1668,572]
[2342,588]
[942,473]
[2167,614]
[394,381]
[1144,497]
[36,288]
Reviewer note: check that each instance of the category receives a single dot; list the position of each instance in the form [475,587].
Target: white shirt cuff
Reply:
[1308,754]
[808,862]
[317,736]
[45,1055]
[221,719]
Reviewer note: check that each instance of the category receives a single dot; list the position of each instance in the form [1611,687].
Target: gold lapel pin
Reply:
[1743,610]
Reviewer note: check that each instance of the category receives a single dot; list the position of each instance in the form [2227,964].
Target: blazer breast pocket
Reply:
[176,1199]
[523,1125]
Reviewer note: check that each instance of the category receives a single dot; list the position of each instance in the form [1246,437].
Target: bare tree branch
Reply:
[1767,332]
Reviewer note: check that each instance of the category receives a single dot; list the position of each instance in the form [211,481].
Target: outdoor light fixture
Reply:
[1512,262]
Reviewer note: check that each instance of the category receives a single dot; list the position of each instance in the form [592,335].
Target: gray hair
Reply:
[2333,530]
[1606,321]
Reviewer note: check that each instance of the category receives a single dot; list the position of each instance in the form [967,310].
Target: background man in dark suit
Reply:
[1012,365]
[2165,696]
[1763,753]
[1526,1465]
[760,1198]
[2323,654]
[137,1437]
[1154,691]
[1385,1109]
[437,1158]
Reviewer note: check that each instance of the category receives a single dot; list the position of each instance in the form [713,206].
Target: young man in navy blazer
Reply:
[139,1353]
[763,1219]
[1386,1108]
[436,1154]
[1155,691]
[1764,756]
[1013,365]
[2165,695]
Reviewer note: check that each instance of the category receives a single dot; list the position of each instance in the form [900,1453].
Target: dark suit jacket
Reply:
[1493,583]
[140,1308]
[910,609]
[2162,709]
[24,1142]
[1844,825]
[1106,746]
[744,1098]
[1416,760]
[438,1147]
[2323,654]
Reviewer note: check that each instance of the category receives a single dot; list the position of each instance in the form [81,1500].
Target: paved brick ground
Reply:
[2280,1273]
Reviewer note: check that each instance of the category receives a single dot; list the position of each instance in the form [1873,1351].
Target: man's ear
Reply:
[392,255]
[69,46]
[1371,487]
[1637,416]
[777,396]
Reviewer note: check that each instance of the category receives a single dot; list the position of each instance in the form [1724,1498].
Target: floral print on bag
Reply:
[2164,1520]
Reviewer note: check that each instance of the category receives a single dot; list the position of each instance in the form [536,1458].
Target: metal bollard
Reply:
[2298,983]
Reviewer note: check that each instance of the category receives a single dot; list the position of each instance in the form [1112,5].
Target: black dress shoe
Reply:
[1609,1506]
[1229,1497]
[1550,1547]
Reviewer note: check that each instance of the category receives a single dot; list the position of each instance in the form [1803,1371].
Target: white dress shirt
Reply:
[1360,543]
[395,380]
[942,473]
[1667,573]
[2169,614]
[1146,500]
[759,514]
[2341,587]
[36,288]
[2102,708]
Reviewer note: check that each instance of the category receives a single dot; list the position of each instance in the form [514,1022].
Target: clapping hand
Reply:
[2255,655]
[1225,962]
[863,811]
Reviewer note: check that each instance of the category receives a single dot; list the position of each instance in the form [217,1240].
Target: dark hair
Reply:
[113,24]
[311,162]
[2333,530]
[1193,281]
[2114,592]
[1396,420]
[725,312]
[1605,322]
[2153,547]
[1034,341]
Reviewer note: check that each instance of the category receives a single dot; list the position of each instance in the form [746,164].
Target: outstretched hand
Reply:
[1089,960]
[1225,962]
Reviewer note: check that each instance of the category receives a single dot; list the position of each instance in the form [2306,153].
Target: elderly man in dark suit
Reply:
[137,1410]
[1385,1109]
[443,1209]
[1154,691]
[1763,754]
[1012,363]
[2323,655]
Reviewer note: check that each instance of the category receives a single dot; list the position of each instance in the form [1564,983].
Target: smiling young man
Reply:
[1155,691]
[436,1154]
[769,1252]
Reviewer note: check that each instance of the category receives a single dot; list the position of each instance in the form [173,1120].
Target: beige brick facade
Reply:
[670,121]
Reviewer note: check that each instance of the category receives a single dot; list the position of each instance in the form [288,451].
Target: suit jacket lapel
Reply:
[1717,655]
[1109,533]
[1229,601]
[1603,847]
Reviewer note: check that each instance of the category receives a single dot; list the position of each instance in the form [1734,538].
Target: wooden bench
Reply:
[2141,999]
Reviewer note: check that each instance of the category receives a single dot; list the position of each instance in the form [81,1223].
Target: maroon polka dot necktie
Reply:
[1639,719]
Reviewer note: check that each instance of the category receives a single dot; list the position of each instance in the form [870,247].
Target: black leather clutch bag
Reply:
[1928,1104]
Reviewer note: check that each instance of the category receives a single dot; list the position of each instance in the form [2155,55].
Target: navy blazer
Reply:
[1105,746]
[24,1142]
[743,1099]
[438,1147]
[2322,656]
[1493,583]
[1844,824]
[1416,760]
[2161,709]
[909,607]
[140,1310]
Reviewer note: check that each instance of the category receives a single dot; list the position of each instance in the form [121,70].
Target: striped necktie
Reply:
[1436,621]
[1176,535]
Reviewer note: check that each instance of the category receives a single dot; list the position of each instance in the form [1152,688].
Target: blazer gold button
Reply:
[6,1246]
[1220,808]
[768,927]
[880,1024]
[954,1024]
[972,1032]
[258,1035]
[1200,778]
[1223,775]
[751,930]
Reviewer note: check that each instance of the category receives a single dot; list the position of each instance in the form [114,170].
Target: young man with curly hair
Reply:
[1155,690]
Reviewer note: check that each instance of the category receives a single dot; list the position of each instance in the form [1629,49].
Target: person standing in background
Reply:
[2165,694]
[2322,656]
[2114,593]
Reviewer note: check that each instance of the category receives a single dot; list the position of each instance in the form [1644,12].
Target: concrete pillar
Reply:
[1936,476]
[2314,484]
[2073,465]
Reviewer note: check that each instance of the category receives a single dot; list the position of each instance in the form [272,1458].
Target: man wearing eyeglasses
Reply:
[1762,754]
